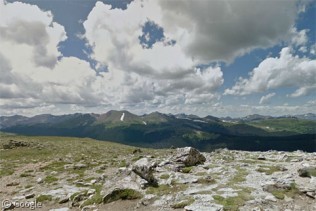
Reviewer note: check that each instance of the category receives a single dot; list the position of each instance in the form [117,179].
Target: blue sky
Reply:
[201,57]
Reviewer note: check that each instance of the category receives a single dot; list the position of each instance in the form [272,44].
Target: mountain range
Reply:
[158,130]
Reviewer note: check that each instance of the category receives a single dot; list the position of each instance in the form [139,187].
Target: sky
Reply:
[218,57]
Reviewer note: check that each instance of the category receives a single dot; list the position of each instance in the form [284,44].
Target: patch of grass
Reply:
[160,190]
[301,126]
[6,172]
[166,189]
[268,170]
[233,203]
[122,163]
[55,166]
[240,176]
[187,169]
[182,204]
[80,172]
[99,171]
[251,161]
[206,180]
[50,179]
[124,194]
[164,176]
[137,158]
[88,179]
[218,198]
[202,173]
[26,175]
[74,195]
[280,193]
[204,192]
[43,198]
[96,198]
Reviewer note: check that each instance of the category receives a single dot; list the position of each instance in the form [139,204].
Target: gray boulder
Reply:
[189,156]
[145,170]
[307,172]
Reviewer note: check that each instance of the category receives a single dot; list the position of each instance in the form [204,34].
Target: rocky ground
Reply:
[83,174]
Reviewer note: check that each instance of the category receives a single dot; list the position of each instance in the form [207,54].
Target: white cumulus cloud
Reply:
[266,98]
[287,70]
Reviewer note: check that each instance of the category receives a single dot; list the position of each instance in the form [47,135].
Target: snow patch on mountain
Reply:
[122,117]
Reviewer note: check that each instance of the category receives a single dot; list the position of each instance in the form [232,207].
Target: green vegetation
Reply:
[122,163]
[240,176]
[28,186]
[199,136]
[74,195]
[280,193]
[268,170]
[233,203]
[124,194]
[251,161]
[43,198]
[206,180]
[6,172]
[183,203]
[50,179]
[61,151]
[96,198]
[187,169]
[55,166]
[164,176]
[26,175]
[300,126]
[166,189]
[163,131]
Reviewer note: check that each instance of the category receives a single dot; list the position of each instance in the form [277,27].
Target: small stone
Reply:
[147,199]
[270,198]
[297,159]
[137,151]
[80,183]
[90,192]
[60,209]
[26,190]
[68,166]
[88,208]
[39,180]
[287,199]
[79,166]
[18,197]
[54,173]
[79,197]
[311,195]
[63,200]
[13,184]
[261,157]
[29,196]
